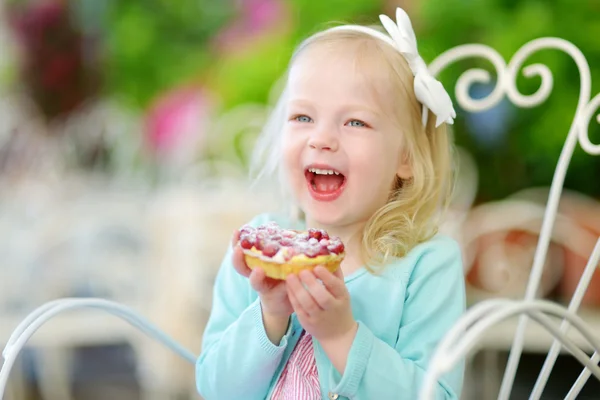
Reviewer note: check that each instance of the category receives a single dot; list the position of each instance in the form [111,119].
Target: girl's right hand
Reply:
[272,292]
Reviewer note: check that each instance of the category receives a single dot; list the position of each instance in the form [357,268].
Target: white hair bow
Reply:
[429,91]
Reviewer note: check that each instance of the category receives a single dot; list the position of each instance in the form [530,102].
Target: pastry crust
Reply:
[298,263]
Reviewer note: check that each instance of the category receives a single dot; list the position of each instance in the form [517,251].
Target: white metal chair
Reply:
[480,318]
[472,326]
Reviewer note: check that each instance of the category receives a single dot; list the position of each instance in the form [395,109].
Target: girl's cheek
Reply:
[290,161]
[288,154]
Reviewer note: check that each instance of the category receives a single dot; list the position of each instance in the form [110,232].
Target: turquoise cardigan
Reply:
[402,314]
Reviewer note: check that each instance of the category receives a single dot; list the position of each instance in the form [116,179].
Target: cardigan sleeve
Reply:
[434,301]
[237,360]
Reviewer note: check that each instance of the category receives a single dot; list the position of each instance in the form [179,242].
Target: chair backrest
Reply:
[479,318]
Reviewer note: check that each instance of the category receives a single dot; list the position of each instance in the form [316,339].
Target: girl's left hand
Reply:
[323,309]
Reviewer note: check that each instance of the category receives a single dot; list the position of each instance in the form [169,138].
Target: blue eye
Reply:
[302,118]
[356,123]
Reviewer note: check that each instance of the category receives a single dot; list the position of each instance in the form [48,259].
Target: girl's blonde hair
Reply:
[415,206]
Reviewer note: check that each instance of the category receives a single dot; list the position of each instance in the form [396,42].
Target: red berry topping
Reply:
[260,243]
[270,228]
[269,238]
[246,229]
[336,248]
[246,243]
[286,242]
[314,233]
[270,249]
[323,251]
[302,237]
[261,235]
[312,252]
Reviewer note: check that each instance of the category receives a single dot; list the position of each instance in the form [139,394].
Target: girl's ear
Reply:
[404,170]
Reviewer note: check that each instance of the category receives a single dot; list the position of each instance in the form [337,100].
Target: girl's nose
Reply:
[323,140]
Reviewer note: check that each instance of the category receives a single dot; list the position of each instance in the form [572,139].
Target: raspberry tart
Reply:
[280,252]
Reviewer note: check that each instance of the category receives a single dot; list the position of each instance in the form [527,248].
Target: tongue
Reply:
[327,183]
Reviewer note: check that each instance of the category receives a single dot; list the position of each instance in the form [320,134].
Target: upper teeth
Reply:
[323,171]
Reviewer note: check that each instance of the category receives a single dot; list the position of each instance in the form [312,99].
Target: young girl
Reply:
[359,142]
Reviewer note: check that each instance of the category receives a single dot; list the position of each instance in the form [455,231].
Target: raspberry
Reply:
[288,234]
[303,237]
[270,228]
[323,251]
[313,241]
[261,236]
[270,249]
[260,243]
[336,247]
[324,235]
[324,242]
[312,252]
[246,229]
[315,233]
[286,242]
[246,243]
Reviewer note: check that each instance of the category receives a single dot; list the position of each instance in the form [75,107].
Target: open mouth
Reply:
[325,184]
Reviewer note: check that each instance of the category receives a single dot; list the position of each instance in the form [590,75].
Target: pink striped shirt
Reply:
[299,379]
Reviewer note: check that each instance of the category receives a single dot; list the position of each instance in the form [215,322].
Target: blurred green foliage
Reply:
[535,137]
[154,45]
[249,74]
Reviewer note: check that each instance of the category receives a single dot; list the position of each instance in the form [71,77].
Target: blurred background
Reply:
[126,128]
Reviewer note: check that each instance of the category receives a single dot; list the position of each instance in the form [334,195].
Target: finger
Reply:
[321,295]
[335,284]
[298,309]
[339,273]
[239,263]
[235,238]
[258,280]
[305,299]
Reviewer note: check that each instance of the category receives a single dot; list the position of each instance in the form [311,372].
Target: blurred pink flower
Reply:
[177,122]
[255,17]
